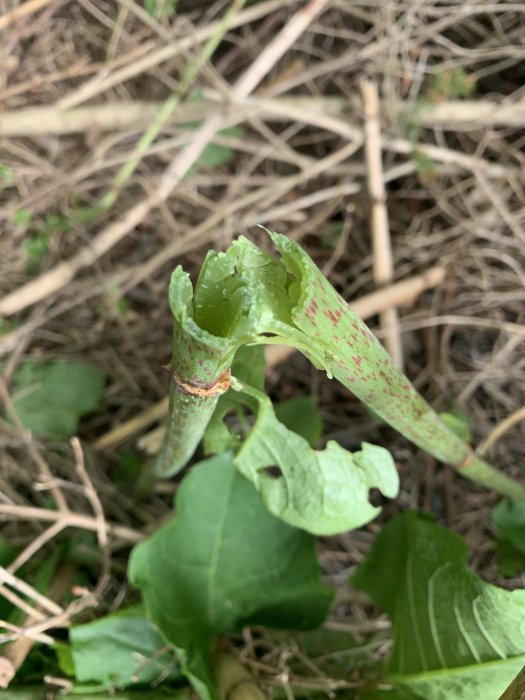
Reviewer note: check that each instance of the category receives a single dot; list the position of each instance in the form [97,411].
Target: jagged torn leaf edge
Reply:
[303,495]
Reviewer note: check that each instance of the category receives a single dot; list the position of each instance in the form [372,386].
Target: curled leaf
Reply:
[321,491]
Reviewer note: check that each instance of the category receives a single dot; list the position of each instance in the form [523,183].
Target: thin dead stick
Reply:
[82,67]
[499,431]
[517,329]
[398,294]
[301,204]
[383,264]
[29,591]
[33,630]
[57,278]
[23,10]
[135,116]
[240,91]
[96,86]
[18,632]
[167,109]
[63,684]
[20,603]
[134,425]
[275,49]
[34,546]
[90,493]
[16,652]
[102,528]
[37,458]
[337,125]
[7,672]
[70,519]
[473,114]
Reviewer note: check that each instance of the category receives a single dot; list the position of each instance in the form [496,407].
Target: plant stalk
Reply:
[245,296]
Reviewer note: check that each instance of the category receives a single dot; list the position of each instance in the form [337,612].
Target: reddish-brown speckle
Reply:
[330,314]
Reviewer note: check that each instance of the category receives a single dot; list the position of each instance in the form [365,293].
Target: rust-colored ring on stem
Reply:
[220,386]
[467,461]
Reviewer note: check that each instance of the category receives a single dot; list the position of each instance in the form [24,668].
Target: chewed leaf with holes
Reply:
[455,636]
[224,562]
[323,492]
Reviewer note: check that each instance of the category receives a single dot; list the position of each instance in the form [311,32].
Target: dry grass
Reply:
[453,176]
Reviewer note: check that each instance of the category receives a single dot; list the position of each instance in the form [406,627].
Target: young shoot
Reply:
[246,296]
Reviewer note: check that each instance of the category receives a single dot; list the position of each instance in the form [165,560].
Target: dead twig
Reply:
[134,67]
[29,591]
[383,265]
[37,458]
[16,652]
[70,519]
[24,10]
[34,546]
[60,276]
[102,527]
[499,431]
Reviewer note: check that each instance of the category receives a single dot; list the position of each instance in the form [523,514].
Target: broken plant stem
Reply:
[245,296]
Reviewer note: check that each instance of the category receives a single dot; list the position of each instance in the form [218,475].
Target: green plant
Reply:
[50,397]
[448,637]
[450,84]
[245,297]
[240,548]
[7,176]
[161,8]
[37,244]
[444,84]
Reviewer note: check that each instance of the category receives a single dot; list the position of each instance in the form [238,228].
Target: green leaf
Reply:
[458,422]
[248,365]
[161,8]
[120,650]
[301,415]
[22,217]
[509,518]
[511,563]
[50,398]
[36,248]
[222,563]
[455,636]
[323,492]
[7,174]
[214,155]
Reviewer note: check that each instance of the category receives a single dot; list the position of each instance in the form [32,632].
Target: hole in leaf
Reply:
[376,498]
[273,472]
